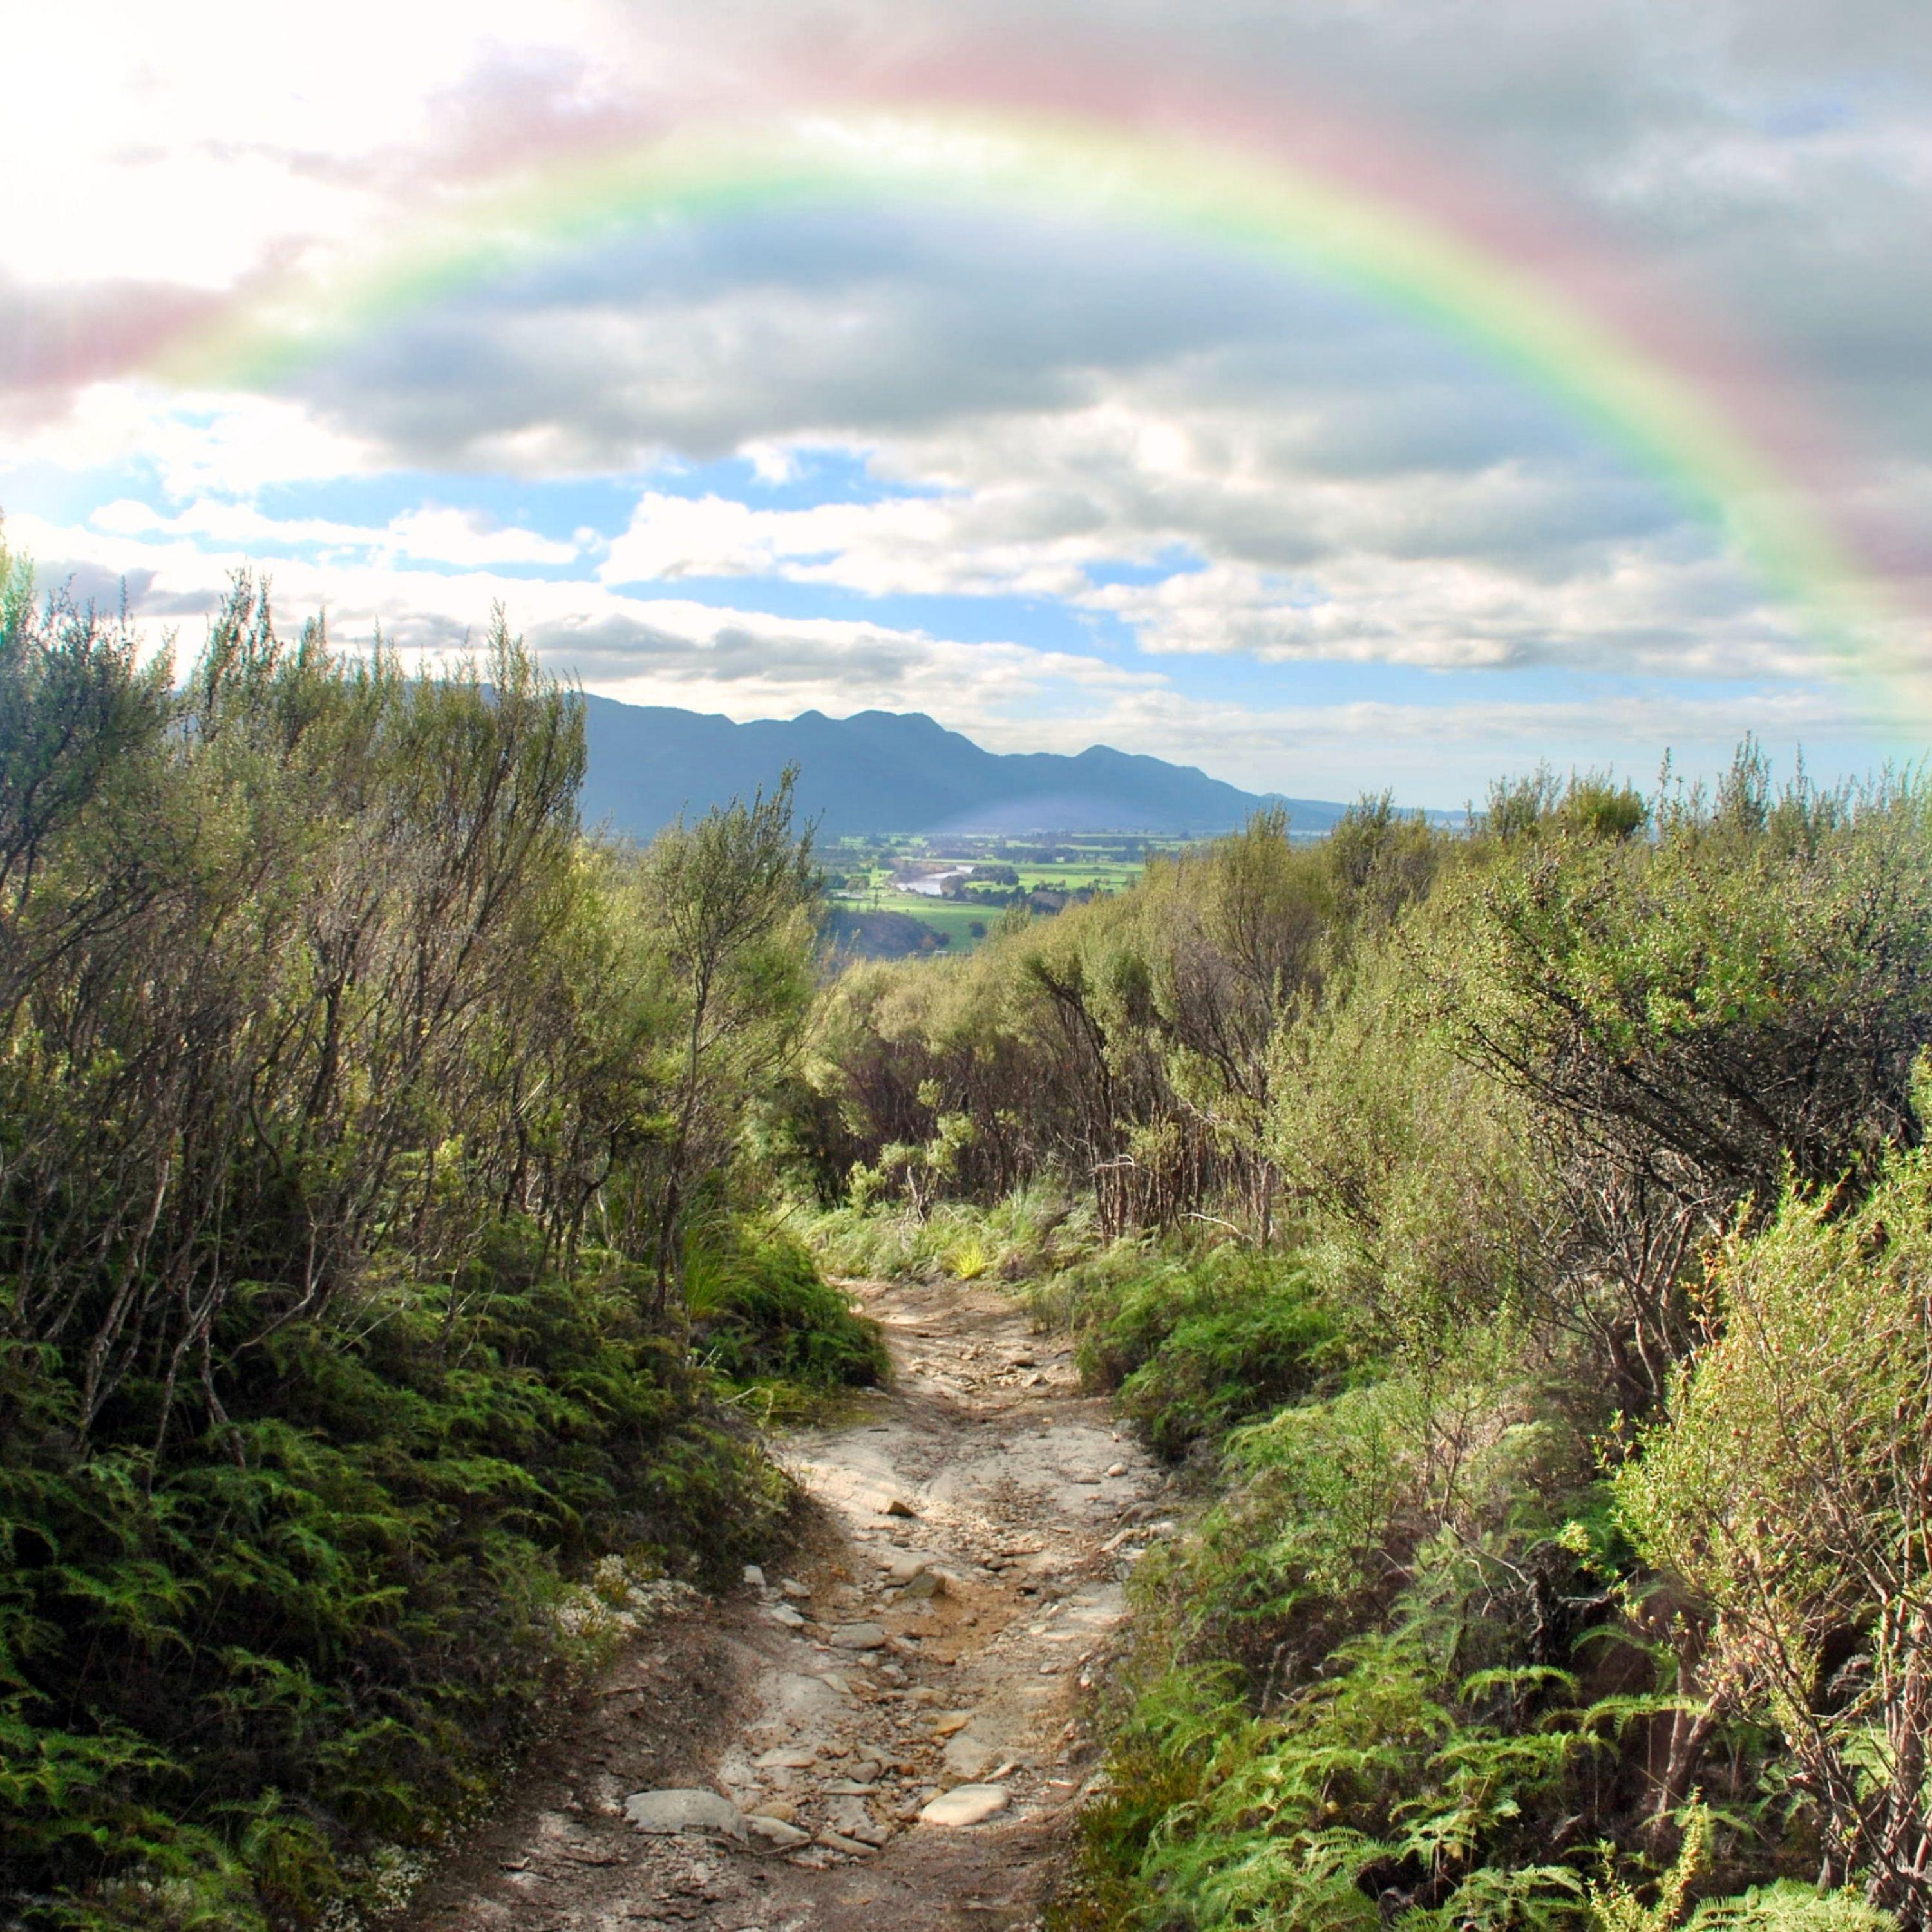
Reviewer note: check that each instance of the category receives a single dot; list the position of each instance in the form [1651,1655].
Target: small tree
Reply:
[1790,1493]
[1691,1012]
[730,896]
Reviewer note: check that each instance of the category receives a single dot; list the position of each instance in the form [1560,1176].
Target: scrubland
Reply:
[1515,1241]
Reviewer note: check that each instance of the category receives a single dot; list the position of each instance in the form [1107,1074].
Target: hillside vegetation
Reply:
[1519,1240]
[1523,1242]
[384,1273]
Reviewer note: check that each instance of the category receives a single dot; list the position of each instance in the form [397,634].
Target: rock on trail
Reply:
[887,1733]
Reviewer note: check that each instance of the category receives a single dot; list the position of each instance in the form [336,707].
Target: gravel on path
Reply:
[893,1720]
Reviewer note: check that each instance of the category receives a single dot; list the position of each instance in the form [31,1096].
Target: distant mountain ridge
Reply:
[883,771]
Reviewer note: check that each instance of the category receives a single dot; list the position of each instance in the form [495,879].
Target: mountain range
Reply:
[883,771]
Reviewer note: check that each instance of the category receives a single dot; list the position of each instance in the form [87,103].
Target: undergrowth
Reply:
[1394,1676]
[780,1337]
[1030,1232]
[354,1109]
[1398,1673]
[1192,1339]
[228,1669]
[1560,1391]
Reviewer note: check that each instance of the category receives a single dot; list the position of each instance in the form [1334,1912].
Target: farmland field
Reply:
[1062,877]
[944,916]
[864,870]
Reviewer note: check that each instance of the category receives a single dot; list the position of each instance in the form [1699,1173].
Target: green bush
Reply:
[1355,1695]
[1023,1236]
[352,1108]
[1788,1493]
[227,1670]
[1193,1341]
[762,1313]
[1566,1372]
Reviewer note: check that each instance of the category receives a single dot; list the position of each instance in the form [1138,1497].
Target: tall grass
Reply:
[1025,1235]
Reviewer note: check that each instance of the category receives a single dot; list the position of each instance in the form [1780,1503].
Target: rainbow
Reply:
[1597,331]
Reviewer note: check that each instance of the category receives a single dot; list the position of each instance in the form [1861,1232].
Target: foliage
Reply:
[346,1595]
[1521,1234]
[1790,1490]
[762,1313]
[1027,1235]
[1421,1200]
[349,1101]
[729,902]
[1193,1343]
[1690,1014]
[1123,1047]
[1542,1579]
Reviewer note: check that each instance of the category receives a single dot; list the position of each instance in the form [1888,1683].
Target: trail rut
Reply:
[934,1632]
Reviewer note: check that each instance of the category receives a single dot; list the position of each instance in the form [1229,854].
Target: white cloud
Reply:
[1281,473]
[1239,548]
[435,535]
[1635,612]
[662,650]
[986,543]
[1008,695]
[1445,755]
[232,445]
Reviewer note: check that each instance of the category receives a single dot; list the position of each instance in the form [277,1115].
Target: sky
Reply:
[1339,395]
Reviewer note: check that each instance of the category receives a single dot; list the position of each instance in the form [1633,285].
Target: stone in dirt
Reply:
[784,1615]
[966,1805]
[968,1759]
[755,1577]
[800,1698]
[898,1506]
[849,1817]
[851,1847]
[790,1757]
[660,1813]
[859,1637]
[776,1831]
[953,1720]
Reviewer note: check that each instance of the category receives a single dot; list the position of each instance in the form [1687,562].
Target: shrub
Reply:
[227,1669]
[351,1108]
[1789,1494]
[762,1313]
[1025,1234]
[1194,1343]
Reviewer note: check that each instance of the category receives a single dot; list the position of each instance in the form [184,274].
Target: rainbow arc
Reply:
[1596,334]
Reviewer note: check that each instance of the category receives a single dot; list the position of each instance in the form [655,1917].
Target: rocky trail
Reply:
[887,1731]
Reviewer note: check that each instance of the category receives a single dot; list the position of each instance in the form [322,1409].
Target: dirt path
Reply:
[933,1637]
